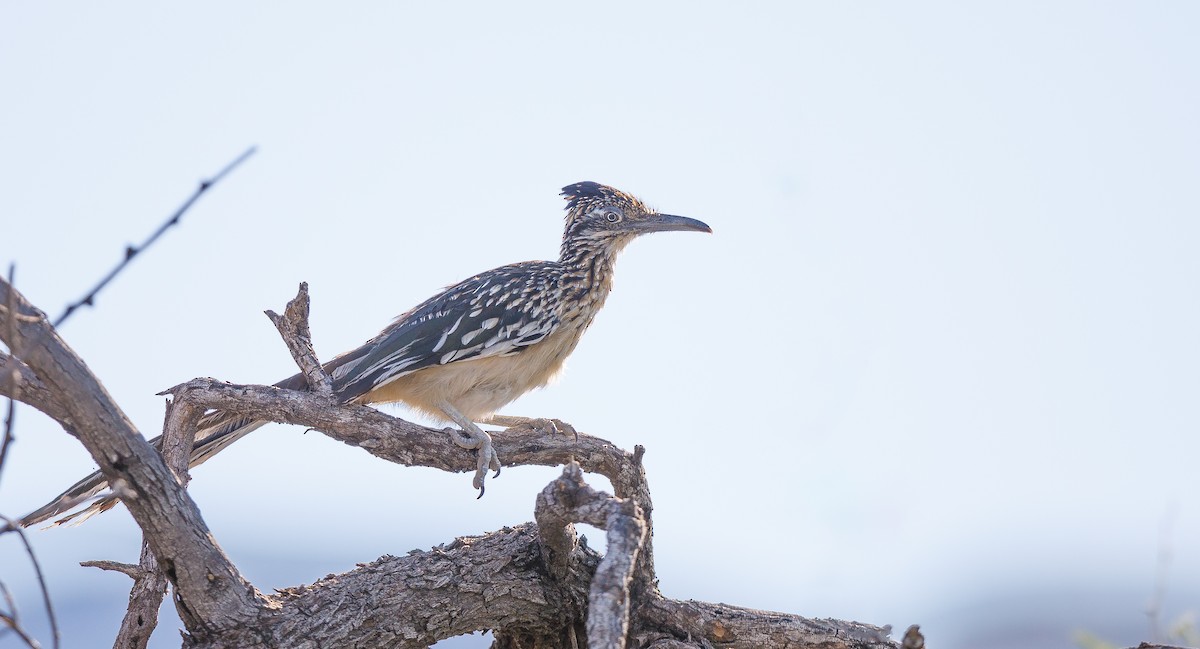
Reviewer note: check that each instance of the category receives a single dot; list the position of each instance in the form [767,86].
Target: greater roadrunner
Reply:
[466,352]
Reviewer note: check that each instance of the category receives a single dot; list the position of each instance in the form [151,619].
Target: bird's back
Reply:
[459,338]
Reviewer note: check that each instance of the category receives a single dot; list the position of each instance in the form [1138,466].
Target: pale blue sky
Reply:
[940,351]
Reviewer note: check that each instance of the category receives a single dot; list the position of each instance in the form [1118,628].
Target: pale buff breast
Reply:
[480,387]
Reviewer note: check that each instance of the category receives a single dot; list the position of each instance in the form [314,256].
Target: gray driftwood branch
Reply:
[569,500]
[150,581]
[210,588]
[293,327]
[510,581]
[18,380]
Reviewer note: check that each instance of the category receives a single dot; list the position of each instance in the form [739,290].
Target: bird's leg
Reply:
[555,426]
[474,439]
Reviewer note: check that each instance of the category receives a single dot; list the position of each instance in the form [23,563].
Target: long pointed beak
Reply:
[667,222]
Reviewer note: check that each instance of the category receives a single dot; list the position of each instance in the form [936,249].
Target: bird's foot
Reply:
[540,424]
[475,439]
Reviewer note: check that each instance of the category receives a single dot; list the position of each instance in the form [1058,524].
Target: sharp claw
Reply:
[484,452]
[487,459]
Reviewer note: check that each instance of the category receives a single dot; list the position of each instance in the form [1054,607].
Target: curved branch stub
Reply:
[293,327]
[568,500]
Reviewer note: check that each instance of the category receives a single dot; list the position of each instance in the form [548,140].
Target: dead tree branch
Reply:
[150,583]
[569,500]
[14,378]
[293,327]
[531,583]
[131,570]
[734,627]
[18,380]
[10,617]
[490,581]
[210,587]
[11,620]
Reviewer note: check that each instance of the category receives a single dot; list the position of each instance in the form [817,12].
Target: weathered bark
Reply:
[32,391]
[484,582]
[535,585]
[293,327]
[569,500]
[213,595]
[150,584]
[735,627]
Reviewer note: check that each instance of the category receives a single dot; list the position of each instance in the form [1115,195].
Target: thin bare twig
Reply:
[15,374]
[130,570]
[133,251]
[9,417]
[41,578]
[12,619]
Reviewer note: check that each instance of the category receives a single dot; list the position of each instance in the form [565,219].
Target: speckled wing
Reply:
[498,313]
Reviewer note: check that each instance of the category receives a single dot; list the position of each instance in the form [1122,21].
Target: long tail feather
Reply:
[217,430]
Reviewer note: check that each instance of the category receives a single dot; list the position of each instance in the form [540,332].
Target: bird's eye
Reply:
[613,217]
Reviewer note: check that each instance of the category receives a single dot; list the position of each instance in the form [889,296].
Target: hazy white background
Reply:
[938,364]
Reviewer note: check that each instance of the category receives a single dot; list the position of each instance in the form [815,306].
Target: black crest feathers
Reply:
[586,192]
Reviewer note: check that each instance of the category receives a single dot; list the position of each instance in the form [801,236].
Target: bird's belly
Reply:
[480,387]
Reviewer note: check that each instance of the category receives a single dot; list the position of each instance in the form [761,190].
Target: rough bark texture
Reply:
[213,595]
[490,581]
[735,627]
[569,500]
[293,326]
[150,583]
[535,585]
[32,391]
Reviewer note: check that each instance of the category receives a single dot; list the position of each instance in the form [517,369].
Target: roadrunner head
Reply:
[599,216]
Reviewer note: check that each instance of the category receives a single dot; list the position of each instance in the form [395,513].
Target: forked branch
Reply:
[569,500]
